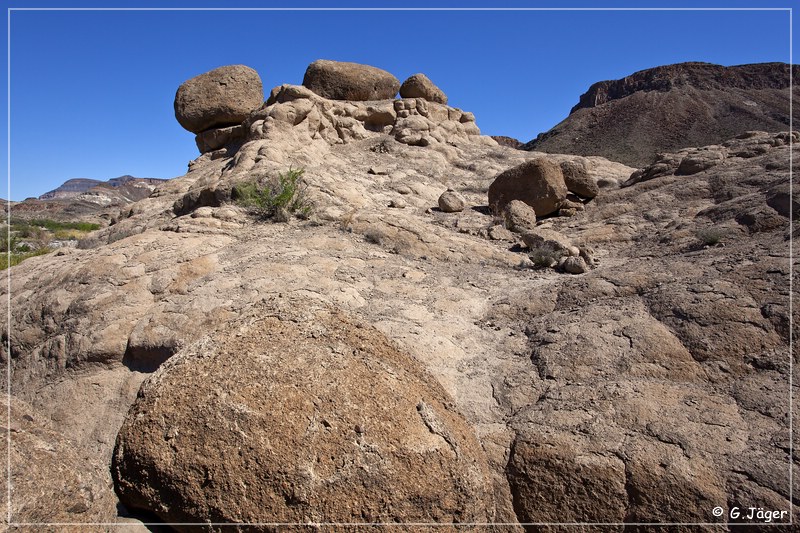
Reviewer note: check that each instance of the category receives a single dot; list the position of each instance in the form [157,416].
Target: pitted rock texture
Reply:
[420,86]
[339,80]
[219,98]
[296,414]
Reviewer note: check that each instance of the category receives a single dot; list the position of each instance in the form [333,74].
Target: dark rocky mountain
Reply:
[87,199]
[504,140]
[671,107]
[70,188]
[77,186]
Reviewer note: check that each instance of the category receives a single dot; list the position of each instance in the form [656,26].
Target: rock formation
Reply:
[213,105]
[338,80]
[87,200]
[649,385]
[667,108]
[219,98]
[420,86]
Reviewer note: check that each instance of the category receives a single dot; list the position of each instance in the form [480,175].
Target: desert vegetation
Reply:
[278,198]
[23,239]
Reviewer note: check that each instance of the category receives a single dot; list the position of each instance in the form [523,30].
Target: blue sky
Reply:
[92,91]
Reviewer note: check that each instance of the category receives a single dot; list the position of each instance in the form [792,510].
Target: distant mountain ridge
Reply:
[77,186]
[666,108]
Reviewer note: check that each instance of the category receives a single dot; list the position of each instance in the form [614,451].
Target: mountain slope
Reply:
[77,186]
[671,107]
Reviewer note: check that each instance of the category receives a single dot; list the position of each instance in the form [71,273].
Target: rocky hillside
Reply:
[672,107]
[78,186]
[427,345]
[86,199]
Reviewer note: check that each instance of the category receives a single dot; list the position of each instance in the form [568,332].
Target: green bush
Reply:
[25,226]
[13,259]
[710,236]
[544,257]
[278,198]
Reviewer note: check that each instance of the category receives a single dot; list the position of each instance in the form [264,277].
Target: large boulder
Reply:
[420,86]
[219,98]
[338,80]
[296,414]
[578,180]
[538,182]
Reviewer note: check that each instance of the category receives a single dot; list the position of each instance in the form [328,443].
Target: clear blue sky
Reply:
[92,91]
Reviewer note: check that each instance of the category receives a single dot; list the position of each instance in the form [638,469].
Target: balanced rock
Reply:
[420,86]
[219,98]
[338,80]
[538,182]
[296,414]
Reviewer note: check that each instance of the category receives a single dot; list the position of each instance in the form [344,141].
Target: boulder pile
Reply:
[338,102]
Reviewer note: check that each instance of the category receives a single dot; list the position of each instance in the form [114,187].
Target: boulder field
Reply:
[623,358]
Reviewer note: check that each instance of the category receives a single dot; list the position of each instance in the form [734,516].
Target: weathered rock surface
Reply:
[420,86]
[538,182]
[548,239]
[652,387]
[219,98]
[693,160]
[339,80]
[295,414]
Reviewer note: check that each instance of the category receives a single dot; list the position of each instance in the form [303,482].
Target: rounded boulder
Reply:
[420,86]
[578,180]
[538,182]
[221,97]
[338,80]
[295,414]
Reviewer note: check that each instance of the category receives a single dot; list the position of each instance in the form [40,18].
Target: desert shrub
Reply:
[544,257]
[13,259]
[710,236]
[374,235]
[278,198]
[52,225]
